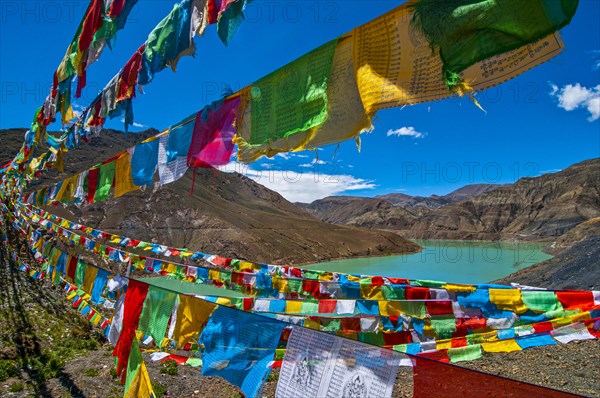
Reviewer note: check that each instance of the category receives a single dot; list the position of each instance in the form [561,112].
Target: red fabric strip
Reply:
[132,308]
[439,307]
[92,22]
[72,268]
[93,175]
[395,338]
[576,299]
[350,324]
[327,306]
[417,293]
[436,379]
[541,327]
[129,76]
[439,355]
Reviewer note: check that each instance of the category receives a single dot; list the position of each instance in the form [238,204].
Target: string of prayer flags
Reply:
[238,347]
[468,31]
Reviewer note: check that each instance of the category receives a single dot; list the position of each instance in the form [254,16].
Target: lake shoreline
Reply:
[458,261]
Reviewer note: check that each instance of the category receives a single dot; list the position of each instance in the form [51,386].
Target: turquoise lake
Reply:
[441,260]
[447,260]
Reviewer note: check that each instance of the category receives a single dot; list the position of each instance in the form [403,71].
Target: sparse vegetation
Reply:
[7,369]
[16,386]
[159,390]
[169,368]
[91,372]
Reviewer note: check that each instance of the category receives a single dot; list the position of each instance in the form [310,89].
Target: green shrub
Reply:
[7,369]
[159,390]
[16,386]
[169,367]
[91,372]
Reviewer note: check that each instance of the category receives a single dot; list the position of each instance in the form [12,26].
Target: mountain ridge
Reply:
[533,208]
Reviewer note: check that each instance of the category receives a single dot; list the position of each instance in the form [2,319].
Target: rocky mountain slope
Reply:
[540,208]
[576,264]
[436,201]
[227,214]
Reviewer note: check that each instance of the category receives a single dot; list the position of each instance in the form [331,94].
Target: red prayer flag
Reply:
[417,293]
[576,299]
[132,309]
[93,175]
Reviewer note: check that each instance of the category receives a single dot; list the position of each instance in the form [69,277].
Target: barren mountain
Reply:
[227,214]
[537,208]
[533,208]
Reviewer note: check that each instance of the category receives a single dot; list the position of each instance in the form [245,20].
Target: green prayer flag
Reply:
[79,273]
[444,326]
[413,308]
[309,307]
[469,31]
[194,362]
[292,98]
[106,177]
[390,293]
[332,325]
[375,339]
[541,301]
[156,312]
[468,353]
[294,285]
[133,364]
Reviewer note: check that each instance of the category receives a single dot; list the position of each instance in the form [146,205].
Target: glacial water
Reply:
[440,260]
[447,260]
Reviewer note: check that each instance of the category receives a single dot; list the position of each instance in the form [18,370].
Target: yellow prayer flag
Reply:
[371,292]
[395,65]
[140,387]
[508,299]
[501,346]
[191,314]
[89,278]
[459,288]
[123,180]
[293,306]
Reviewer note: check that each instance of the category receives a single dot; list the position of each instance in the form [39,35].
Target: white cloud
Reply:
[405,132]
[596,55]
[298,186]
[571,97]
[138,125]
[283,155]
[311,164]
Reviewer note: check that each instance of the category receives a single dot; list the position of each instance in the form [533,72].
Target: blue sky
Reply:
[542,121]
